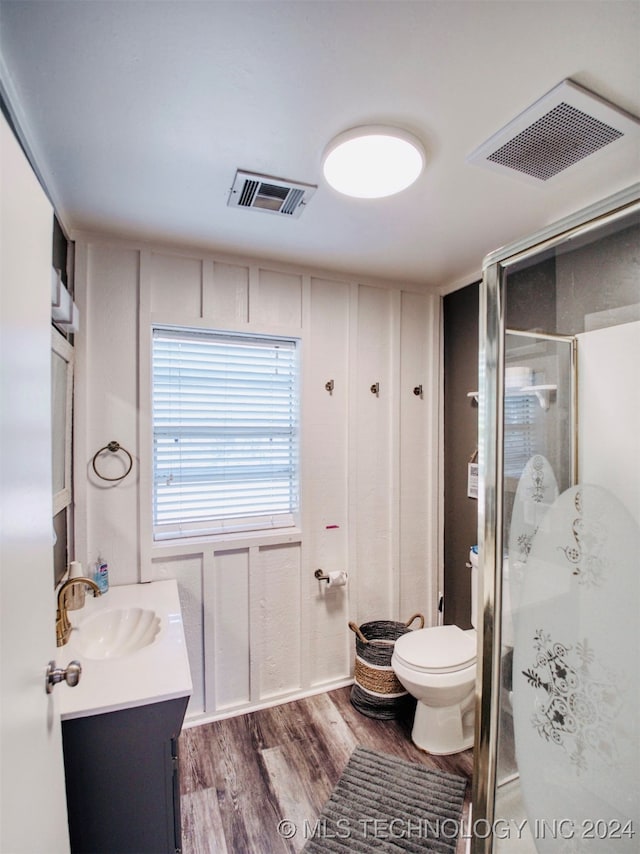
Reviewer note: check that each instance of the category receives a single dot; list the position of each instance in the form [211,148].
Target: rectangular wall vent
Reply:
[271,195]
[566,125]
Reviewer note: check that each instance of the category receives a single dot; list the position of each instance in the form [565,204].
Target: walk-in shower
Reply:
[557,737]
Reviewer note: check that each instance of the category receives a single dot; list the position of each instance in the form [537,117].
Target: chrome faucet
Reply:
[63,626]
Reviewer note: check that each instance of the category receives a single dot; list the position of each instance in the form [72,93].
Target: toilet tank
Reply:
[507,623]
[473,561]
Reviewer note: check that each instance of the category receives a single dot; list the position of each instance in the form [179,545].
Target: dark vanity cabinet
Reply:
[122,779]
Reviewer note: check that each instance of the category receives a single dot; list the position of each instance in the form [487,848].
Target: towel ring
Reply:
[114,447]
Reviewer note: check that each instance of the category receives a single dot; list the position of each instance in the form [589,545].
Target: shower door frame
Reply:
[492,330]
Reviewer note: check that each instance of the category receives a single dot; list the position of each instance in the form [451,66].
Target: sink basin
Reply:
[132,647]
[118,632]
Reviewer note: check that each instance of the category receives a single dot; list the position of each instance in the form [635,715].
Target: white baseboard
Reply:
[199,718]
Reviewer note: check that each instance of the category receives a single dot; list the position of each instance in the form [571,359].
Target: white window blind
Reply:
[225,432]
[519,432]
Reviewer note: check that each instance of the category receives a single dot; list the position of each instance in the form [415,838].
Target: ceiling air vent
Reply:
[271,195]
[566,125]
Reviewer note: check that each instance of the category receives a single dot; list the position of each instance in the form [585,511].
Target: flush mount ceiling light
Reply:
[372,162]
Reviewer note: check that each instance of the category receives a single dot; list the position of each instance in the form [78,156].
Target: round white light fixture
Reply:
[373,161]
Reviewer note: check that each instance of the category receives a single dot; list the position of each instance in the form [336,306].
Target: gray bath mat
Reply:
[381,803]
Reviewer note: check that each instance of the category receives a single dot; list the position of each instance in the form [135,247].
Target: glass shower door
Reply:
[557,727]
[539,439]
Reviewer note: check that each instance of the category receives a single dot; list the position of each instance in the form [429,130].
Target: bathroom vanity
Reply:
[120,724]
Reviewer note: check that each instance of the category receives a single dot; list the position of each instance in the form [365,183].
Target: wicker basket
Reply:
[376,690]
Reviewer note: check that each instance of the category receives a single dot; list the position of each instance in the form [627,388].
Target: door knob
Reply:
[70,675]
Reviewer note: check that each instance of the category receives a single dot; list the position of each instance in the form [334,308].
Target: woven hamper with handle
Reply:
[376,690]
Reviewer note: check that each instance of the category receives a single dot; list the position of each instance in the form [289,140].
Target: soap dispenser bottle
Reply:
[101,575]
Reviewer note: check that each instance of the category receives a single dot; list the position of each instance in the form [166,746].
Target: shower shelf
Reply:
[542,392]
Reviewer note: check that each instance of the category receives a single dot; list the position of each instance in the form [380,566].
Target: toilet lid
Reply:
[443,649]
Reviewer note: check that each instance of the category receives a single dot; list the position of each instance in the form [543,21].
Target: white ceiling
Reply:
[139,113]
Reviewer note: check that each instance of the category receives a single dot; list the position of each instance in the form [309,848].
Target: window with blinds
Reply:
[519,432]
[225,432]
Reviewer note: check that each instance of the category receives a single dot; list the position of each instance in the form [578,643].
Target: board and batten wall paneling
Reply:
[228,636]
[107,392]
[325,477]
[276,300]
[372,488]
[177,285]
[260,628]
[226,295]
[188,571]
[275,613]
[418,449]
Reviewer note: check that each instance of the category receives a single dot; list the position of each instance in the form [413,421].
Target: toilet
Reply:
[437,666]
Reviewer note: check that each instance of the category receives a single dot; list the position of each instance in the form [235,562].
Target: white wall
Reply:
[260,628]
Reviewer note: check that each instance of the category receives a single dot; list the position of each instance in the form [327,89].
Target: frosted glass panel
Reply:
[576,681]
[609,394]
[538,453]
[537,490]
[568,748]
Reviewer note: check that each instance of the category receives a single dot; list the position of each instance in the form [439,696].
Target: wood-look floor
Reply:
[241,776]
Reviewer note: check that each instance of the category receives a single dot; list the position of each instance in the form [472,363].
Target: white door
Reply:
[33,817]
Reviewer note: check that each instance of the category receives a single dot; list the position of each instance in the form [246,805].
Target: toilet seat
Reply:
[442,649]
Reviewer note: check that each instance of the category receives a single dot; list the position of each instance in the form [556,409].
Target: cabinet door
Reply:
[122,780]
[175,793]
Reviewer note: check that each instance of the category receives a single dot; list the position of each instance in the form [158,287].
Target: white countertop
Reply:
[159,671]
